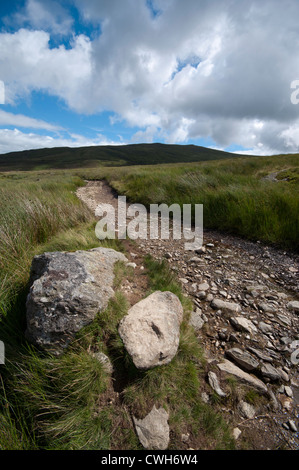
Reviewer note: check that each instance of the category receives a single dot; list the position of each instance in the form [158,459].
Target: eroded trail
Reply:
[245,311]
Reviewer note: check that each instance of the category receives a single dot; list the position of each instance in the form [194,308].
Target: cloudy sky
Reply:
[217,73]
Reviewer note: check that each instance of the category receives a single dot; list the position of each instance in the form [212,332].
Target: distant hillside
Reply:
[137,154]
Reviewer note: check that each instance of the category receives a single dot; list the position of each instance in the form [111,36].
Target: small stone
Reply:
[132,265]
[294,305]
[243,324]
[196,319]
[200,250]
[292,425]
[295,357]
[288,391]
[203,286]
[236,433]
[243,359]
[265,327]
[260,354]
[269,372]
[213,381]
[103,359]
[230,369]
[218,304]
[201,295]
[205,397]
[284,320]
[195,259]
[266,307]
[247,410]
[286,402]
[284,376]
[153,430]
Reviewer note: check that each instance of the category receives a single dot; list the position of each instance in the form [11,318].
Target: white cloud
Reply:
[19,120]
[15,140]
[46,15]
[27,63]
[219,70]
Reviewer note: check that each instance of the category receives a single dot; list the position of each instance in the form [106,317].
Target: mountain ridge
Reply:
[112,155]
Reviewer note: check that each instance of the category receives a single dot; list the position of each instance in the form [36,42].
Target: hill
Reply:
[136,154]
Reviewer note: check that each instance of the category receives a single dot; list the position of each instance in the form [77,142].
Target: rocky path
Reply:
[246,316]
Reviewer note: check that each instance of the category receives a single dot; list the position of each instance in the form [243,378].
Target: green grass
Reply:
[236,197]
[39,212]
[63,403]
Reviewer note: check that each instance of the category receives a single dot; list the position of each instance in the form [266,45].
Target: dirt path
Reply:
[263,282]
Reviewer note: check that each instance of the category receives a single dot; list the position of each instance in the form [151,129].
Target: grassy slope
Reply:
[138,154]
[51,403]
[235,194]
[63,403]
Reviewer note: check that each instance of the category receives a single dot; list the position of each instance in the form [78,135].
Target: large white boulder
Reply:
[151,329]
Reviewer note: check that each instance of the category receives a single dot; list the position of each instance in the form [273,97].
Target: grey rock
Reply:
[103,359]
[294,306]
[247,410]
[288,390]
[243,324]
[201,295]
[209,297]
[260,354]
[205,397]
[265,307]
[292,425]
[231,369]
[265,327]
[153,430]
[67,291]
[237,433]
[295,357]
[283,319]
[132,265]
[196,319]
[151,329]
[219,304]
[214,383]
[200,250]
[243,359]
[269,372]
[204,286]
[283,375]
[195,259]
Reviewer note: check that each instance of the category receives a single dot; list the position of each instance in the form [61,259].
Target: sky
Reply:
[218,73]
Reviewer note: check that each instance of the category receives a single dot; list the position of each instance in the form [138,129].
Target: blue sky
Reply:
[111,72]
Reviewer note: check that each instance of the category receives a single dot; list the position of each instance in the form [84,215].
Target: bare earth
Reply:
[263,281]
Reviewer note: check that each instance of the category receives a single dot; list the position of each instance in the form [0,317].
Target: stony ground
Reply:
[245,314]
